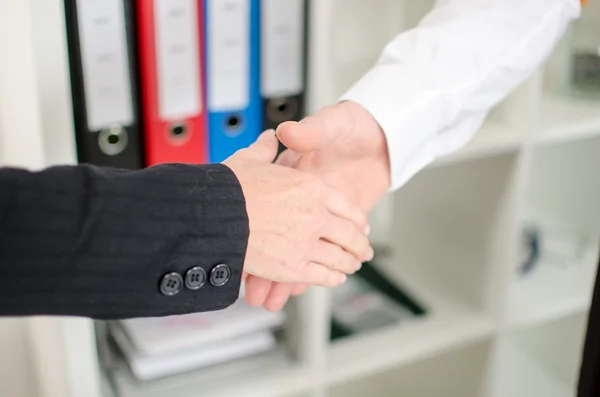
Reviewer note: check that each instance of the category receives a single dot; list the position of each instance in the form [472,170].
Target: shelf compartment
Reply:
[264,375]
[458,372]
[551,292]
[454,229]
[446,325]
[451,239]
[541,360]
[567,118]
[521,374]
[562,198]
[276,372]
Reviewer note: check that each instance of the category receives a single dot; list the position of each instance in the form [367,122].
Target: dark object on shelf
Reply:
[532,250]
[583,38]
[376,279]
[586,72]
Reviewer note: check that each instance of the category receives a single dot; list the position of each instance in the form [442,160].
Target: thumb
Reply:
[264,149]
[312,133]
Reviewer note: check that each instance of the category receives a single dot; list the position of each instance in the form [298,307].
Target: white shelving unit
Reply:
[455,241]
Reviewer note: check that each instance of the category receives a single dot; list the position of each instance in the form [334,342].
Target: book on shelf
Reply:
[370,301]
[161,346]
[150,367]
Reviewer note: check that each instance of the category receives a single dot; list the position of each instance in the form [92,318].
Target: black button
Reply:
[195,278]
[171,284]
[219,275]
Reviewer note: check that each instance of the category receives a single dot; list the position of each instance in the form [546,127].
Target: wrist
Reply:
[375,143]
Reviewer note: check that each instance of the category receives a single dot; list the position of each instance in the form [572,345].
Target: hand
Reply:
[346,148]
[301,231]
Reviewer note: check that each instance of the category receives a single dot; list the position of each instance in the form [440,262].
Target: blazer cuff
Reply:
[202,264]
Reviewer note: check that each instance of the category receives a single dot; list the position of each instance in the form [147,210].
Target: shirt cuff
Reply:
[407,110]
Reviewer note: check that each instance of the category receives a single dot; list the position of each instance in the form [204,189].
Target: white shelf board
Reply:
[265,375]
[377,351]
[517,373]
[493,138]
[445,326]
[565,118]
[550,291]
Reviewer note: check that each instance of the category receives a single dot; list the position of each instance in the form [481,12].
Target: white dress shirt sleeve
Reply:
[433,85]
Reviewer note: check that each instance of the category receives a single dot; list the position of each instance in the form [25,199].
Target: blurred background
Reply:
[485,261]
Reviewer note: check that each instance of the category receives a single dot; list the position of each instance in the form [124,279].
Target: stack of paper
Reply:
[158,347]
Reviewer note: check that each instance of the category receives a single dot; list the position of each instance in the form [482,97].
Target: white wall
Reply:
[16,376]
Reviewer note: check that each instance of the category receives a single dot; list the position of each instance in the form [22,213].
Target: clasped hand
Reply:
[307,212]
[301,230]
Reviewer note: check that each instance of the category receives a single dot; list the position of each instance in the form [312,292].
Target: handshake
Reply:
[308,210]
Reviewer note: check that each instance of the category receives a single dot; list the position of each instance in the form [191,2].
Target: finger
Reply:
[264,149]
[316,274]
[335,258]
[257,290]
[342,232]
[278,296]
[339,204]
[299,289]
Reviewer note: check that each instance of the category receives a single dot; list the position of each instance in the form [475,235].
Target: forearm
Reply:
[433,85]
[97,242]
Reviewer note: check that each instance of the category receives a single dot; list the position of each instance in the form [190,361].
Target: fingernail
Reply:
[343,279]
[358,266]
[370,254]
[368,230]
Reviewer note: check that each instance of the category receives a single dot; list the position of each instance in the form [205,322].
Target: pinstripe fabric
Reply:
[95,242]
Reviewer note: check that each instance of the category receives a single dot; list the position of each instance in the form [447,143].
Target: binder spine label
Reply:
[282,41]
[228,54]
[105,64]
[178,58]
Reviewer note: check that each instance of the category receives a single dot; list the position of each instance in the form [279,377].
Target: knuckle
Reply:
[316,219]
[303,247]
[347,231]
[320,219]
[314,188]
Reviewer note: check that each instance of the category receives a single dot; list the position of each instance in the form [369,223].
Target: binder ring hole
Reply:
[112,140]
[178,131]
[178,134]
[282,109]
[233,124]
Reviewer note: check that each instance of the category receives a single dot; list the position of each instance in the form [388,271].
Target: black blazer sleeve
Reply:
[107,243]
